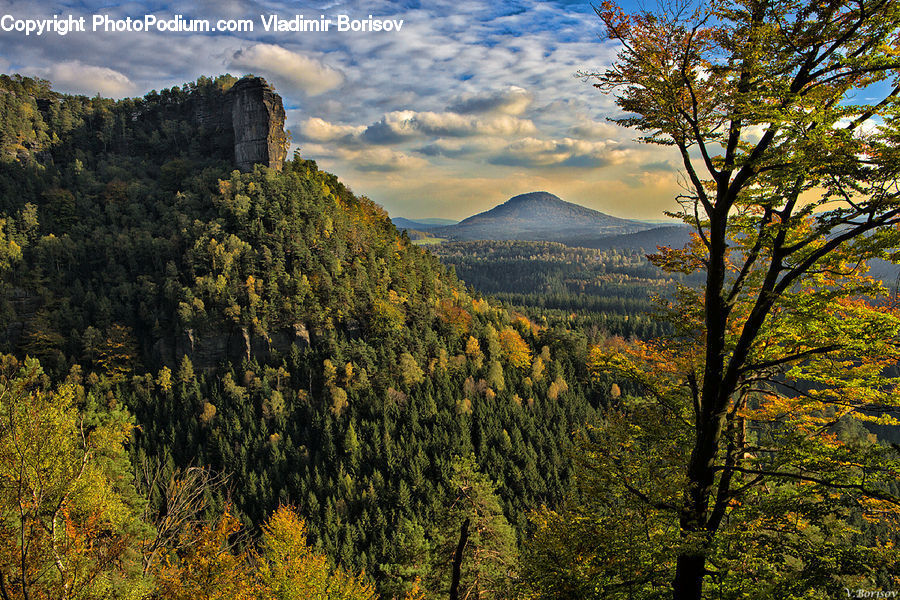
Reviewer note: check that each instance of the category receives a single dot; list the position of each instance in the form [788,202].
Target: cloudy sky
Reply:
[471,102]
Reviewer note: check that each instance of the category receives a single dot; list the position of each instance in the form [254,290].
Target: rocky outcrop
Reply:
[211,346]
[257,116]
[23,307]
[244,124]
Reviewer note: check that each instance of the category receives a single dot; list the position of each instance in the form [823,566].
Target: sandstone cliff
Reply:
[240,123]
[257,116]
[244,123]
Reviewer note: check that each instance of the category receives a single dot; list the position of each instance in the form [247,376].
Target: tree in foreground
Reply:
[69,515]
[290,569]
[742,469]
[73,527]
[212,564]
[474,549]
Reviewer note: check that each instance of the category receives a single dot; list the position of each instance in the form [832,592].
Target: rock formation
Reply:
[244,124]
[257,117]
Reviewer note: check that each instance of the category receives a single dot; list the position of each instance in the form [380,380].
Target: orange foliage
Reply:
[457,318]
[209,568]
[514,348]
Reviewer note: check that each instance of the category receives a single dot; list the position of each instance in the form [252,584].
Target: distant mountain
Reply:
[887,272]
[421,224]
[673,236]
[540,216]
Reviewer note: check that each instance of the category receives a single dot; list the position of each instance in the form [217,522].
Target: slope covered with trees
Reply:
[275,328]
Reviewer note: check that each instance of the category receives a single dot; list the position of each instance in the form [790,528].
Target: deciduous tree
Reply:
[790,187]
[69,517]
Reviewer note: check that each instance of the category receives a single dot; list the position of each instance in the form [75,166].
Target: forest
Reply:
[227,384]
[263,340]
[613,291]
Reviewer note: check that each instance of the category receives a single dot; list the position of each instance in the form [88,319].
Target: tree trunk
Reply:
[689,574]
[690,569]
[695,517]
[457,560]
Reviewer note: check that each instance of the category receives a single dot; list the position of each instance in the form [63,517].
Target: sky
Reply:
[469,103]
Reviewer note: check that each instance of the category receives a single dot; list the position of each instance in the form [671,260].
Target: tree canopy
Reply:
[790,185]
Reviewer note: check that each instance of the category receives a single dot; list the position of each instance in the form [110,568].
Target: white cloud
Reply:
[596,130]
[399,125]
[290,70]
[871,126]
[470,149]
[76,77]
[381,160]
[320,130]
[567,152]
[378,159]
[512,100]
[453,124]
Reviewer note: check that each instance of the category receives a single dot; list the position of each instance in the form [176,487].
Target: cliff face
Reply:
[257,119]
[246,123]
[242,124]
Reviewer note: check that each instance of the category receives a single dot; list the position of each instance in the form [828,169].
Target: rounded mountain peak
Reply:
[534,197]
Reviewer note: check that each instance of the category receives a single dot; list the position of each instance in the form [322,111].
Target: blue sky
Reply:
[471,102]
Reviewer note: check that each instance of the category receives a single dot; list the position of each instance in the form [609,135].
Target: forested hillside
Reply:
[274,327]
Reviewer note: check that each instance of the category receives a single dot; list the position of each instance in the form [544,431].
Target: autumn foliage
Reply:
[71,523]
[514,348]
[740,466]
